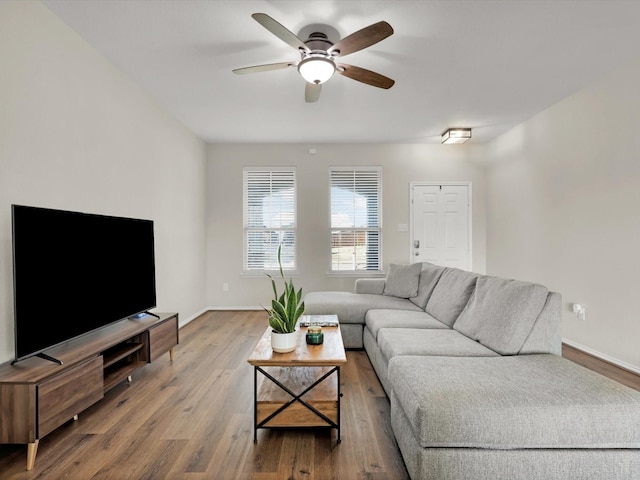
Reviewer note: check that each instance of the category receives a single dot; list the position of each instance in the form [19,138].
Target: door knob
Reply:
[416,253]
[416,244]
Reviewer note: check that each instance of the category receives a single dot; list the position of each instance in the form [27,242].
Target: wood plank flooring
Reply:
[626,377]
[193,419]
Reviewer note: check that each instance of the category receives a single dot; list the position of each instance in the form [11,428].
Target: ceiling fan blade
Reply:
[365,76]
[263,68]
[279,31]
[362,39]
[312,92]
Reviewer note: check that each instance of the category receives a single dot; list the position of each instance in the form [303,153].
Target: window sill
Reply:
[274,273]
[357,273]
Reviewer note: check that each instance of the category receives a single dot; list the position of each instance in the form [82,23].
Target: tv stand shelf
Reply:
[119,352]
[114,377]
[121,361]
[92,364]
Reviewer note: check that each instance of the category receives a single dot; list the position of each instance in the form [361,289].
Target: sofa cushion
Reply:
[546,335]
[394,342]
[351,307]
[516,464]
[519,402]
[451,295]
[501,313]
[384,318]
[402,280]
[429,276]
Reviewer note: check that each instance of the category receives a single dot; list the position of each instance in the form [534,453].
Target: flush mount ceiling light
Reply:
[456,135]
[316,69]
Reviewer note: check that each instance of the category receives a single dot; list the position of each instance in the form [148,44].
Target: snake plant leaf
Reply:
[276,324]
[291,307]
[273,285]
[278,308]
[280,261]
[286,308]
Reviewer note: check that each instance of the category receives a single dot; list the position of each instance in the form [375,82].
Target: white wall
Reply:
[564,210]
[401,164]
[76,134]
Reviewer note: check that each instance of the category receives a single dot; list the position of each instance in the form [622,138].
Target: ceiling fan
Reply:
[318,56]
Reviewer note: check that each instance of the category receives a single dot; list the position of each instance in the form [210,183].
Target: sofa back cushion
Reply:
[429,276]
[501,313]
[402,280]
[451,295]
[546,335]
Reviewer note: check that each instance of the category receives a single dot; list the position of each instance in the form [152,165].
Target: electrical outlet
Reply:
[225,287]
[579,310]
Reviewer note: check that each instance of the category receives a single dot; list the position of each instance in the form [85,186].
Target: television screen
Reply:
[76,272]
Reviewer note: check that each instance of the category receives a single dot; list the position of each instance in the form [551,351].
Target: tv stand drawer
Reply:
[163,337]
[65,395]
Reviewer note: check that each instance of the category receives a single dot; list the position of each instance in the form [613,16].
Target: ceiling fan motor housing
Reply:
[318,42]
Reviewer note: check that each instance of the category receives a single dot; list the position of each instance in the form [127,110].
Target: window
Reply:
[269,218]
[356,219]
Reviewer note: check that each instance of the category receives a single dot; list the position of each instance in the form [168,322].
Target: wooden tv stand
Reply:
[37,396]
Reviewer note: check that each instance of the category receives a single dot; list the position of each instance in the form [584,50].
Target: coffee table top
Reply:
[329,353]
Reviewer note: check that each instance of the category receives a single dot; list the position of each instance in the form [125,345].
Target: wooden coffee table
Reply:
[300,389]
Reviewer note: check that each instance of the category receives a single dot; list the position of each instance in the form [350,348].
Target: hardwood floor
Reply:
[618,374]
[193,419]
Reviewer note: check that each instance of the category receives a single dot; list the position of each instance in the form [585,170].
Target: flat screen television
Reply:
[77,272]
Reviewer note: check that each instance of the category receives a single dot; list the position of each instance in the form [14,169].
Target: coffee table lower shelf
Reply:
[297,397]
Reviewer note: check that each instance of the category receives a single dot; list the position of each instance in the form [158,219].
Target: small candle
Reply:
[314,335]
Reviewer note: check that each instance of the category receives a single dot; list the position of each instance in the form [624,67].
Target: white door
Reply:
[441,224]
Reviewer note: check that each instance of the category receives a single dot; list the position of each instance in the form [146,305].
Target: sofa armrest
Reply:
[370,285]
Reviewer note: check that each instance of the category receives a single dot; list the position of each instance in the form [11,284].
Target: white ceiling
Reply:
[483,64]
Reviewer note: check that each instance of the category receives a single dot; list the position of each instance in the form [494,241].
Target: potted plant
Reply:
[284,313]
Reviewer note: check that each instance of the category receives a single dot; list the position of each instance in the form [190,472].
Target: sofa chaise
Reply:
[478,390]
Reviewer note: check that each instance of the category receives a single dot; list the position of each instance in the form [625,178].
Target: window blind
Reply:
[269,218]
[356,213]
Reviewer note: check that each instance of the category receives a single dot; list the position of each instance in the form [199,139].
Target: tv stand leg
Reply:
[171,354]
[129,379]
[32,449]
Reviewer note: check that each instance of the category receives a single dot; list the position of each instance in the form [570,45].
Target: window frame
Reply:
[379,229]
[270,170]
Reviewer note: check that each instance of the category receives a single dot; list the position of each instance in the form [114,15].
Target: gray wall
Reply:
[401,164]
[76,134]
[564,210]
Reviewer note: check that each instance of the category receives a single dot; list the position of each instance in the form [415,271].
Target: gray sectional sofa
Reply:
[477,386]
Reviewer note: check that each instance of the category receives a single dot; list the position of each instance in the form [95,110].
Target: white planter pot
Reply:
[284,342]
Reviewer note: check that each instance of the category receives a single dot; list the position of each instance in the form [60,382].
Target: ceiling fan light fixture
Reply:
[316,69]
[456,135]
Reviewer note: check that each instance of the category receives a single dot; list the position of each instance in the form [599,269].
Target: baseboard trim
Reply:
[184,321]
[603,356]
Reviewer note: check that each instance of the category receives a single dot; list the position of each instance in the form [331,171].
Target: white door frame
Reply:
[470,225]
